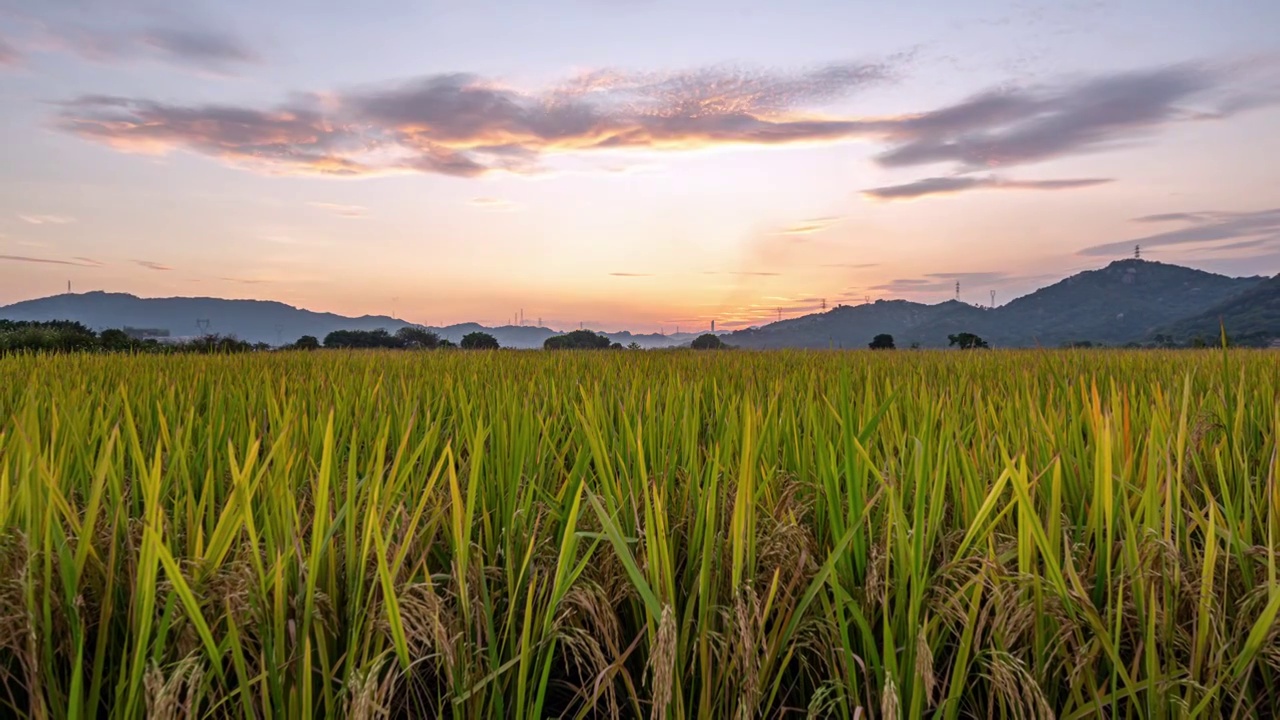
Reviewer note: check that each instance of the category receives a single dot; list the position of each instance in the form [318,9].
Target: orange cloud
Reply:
[467,126]
[811,226]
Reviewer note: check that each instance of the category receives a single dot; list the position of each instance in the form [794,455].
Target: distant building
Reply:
[1275,344]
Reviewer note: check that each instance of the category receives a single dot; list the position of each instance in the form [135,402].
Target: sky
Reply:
[629,164]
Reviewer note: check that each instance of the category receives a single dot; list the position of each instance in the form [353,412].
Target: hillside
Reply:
[853,326]
[1250,318]
[262,321]
[1123,302]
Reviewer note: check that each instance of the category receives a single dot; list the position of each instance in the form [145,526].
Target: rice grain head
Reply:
[662,663]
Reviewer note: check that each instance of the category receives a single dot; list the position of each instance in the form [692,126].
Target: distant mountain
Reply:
[252,320]
[1123,302]
[1127,301]
[853,326]
[1250,318]
[262,321]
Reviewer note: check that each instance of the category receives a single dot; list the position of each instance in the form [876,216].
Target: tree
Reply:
[362,339]
[633,345]
[479,341]
[307,342]
[967,341]
[883,341]
[114,340]
[708,341]
[577,340]
[414,336]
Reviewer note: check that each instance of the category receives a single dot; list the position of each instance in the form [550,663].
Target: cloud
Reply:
[851,266]
[127,36]
[946,281]
[814,225]
[1029,124]
[1201,228]
[76,262]
[152,265]
[200,47]
[47,219]
[464,125]
[630,275]
[346,211]
[9,55]
[1171,217]
[962,183]
[244,281]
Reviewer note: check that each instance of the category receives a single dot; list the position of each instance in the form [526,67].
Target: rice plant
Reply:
[641,535]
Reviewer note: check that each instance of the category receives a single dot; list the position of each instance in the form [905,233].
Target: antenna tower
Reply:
[1137,252]
[68,287]
[713,326]
[957,291]
[279,334]
[993,299]
[779,314]
[824,304]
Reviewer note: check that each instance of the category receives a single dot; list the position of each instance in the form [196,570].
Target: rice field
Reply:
[675,535]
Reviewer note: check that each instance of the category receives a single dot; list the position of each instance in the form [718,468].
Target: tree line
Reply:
[71,336]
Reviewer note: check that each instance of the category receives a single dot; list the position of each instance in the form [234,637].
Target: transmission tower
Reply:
[866,300]
[279,334]
[203,325]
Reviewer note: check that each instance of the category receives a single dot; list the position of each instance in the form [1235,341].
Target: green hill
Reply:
[1250,318]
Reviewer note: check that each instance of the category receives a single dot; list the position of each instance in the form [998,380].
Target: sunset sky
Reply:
[629,163]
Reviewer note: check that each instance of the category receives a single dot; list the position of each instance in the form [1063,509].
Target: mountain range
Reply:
[1128,301]
[1125,302]
[267,321]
